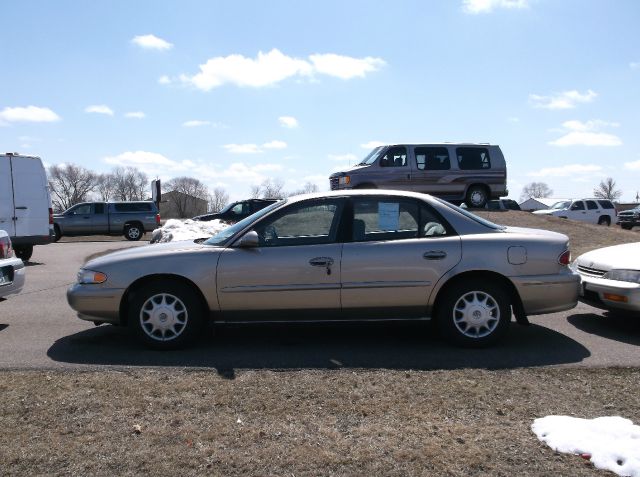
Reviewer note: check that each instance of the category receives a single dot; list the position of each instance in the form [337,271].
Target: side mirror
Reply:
[249,240]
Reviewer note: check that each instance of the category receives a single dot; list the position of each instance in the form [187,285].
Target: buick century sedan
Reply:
[343,255]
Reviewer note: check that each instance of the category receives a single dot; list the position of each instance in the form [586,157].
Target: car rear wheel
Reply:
[474,314]
[476,197]
[166,315]
[57,234]
[627,227]
[133,232]
[605,220]
[23,252]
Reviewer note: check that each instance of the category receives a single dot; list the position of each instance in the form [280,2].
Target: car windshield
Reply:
[227,207]
[225,234]
[372,156]
[471,216]
[563,204]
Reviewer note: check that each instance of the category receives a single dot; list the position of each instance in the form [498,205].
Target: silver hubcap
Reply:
[134,232]
[477,197]
[476,314]
[163,317]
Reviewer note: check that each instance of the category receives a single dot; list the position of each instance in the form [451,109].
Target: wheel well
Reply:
[141,282]
[133,222]
[483,275]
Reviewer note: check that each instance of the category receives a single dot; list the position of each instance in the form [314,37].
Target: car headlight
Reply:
[345,180]
[86,277]
[632,276]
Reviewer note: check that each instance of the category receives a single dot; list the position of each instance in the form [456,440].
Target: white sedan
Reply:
[11,268]
[611,277]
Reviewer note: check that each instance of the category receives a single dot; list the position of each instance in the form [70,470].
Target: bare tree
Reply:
[188,190]
[255,192]
[269,189]
[70,184]
[129,183]
[218,199]
[607,190]
[105,186]
[308,188]
[535,190]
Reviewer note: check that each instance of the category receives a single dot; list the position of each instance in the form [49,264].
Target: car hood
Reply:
[146,252]
[350,169]
[625,256]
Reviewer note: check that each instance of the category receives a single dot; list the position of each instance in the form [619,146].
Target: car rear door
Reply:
[295,271]
[30,197]
[100,218]
[400,248]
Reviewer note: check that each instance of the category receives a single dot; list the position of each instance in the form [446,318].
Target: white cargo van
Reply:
[25,203]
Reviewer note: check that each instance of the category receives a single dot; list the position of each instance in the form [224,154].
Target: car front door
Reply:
[577,211]
[77,220]
[400,248]
[294,272]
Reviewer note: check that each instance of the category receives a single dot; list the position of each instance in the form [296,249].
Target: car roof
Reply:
[358,193]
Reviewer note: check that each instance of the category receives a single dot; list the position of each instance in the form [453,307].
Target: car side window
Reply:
[471,158]
[384,218]
[431,224]
[605,204]
[83,209]
[306,223]
[394,157]
[591,205]
[432,158]
[241,208]
[579,205]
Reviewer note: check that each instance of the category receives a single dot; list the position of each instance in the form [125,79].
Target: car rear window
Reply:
[470,158]
[132,206]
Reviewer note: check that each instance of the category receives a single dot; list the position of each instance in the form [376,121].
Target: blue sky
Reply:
[237,92]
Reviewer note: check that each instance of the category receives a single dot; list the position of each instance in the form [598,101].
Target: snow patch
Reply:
[174,230]
[612,442]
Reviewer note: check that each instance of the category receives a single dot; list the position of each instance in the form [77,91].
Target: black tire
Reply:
[477,197]
[627,227]
[165,314]
[133,232]
[24,252]
[604,220]
[478,323]
[57,234]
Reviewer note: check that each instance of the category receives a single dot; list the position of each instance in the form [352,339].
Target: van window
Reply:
[394,157]
[470,158]
[591,205]
[132,206]
[432,158]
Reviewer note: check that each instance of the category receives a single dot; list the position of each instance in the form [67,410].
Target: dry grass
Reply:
[334,422]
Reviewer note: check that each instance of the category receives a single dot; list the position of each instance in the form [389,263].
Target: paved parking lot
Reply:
[39,330]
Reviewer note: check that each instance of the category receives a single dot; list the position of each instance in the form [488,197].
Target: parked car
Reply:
[237,211]
[611,277]
[25,204]
[11,268]
[594,211]
[131,219]
[469,173]
[628,219]
[336,256]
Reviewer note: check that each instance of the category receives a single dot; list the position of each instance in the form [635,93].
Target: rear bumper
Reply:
[17,283]
[94,303]
[548,293]
[34,239]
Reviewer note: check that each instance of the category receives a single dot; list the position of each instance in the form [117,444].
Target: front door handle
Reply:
[434,255]
[22,207]
[321,262]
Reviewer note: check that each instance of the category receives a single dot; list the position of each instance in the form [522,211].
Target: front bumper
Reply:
[593,290]
[95,303]
[17,283]
[548,293]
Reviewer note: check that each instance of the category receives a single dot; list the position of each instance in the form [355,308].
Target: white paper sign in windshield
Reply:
[388,215]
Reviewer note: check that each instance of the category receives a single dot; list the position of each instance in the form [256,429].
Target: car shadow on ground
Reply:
[625,329]
[32,264]
[305,346]
[3,326]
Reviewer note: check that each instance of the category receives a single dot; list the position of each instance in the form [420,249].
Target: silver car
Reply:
[343,255]
[11,268]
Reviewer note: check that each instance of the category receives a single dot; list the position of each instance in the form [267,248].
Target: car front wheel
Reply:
[474,314]
[166,315]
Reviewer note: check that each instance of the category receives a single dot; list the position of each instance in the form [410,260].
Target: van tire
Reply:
[57,233]
[604,220]
[476,197]
[23,252]
[133,232]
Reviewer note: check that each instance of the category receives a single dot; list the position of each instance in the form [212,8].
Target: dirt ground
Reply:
[334,422]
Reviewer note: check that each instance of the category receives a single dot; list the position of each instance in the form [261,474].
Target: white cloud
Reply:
[343,157]
[28,114]
[273,67]
[513,120]
[99,109]
[633,166]
[634,65]
[164,79]
[372,144]
[194,123]
[142,158]
[564,100]
[578,133]
[569,170]
[242,148]
[487,6]
[345,67]
[151,42]
[275,144]
[288,122]
[135,115]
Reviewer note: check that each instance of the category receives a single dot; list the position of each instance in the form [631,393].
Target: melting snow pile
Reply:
[611,443]
[175,230]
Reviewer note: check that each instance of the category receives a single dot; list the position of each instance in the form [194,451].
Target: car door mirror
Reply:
[249,240]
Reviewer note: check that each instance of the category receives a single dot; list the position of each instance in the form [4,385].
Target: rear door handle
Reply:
[321,262]
[434,255]
[22,207]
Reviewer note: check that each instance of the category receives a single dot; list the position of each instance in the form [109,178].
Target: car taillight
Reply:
[5,248]
[565,257]
[157,219]
[50,216]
